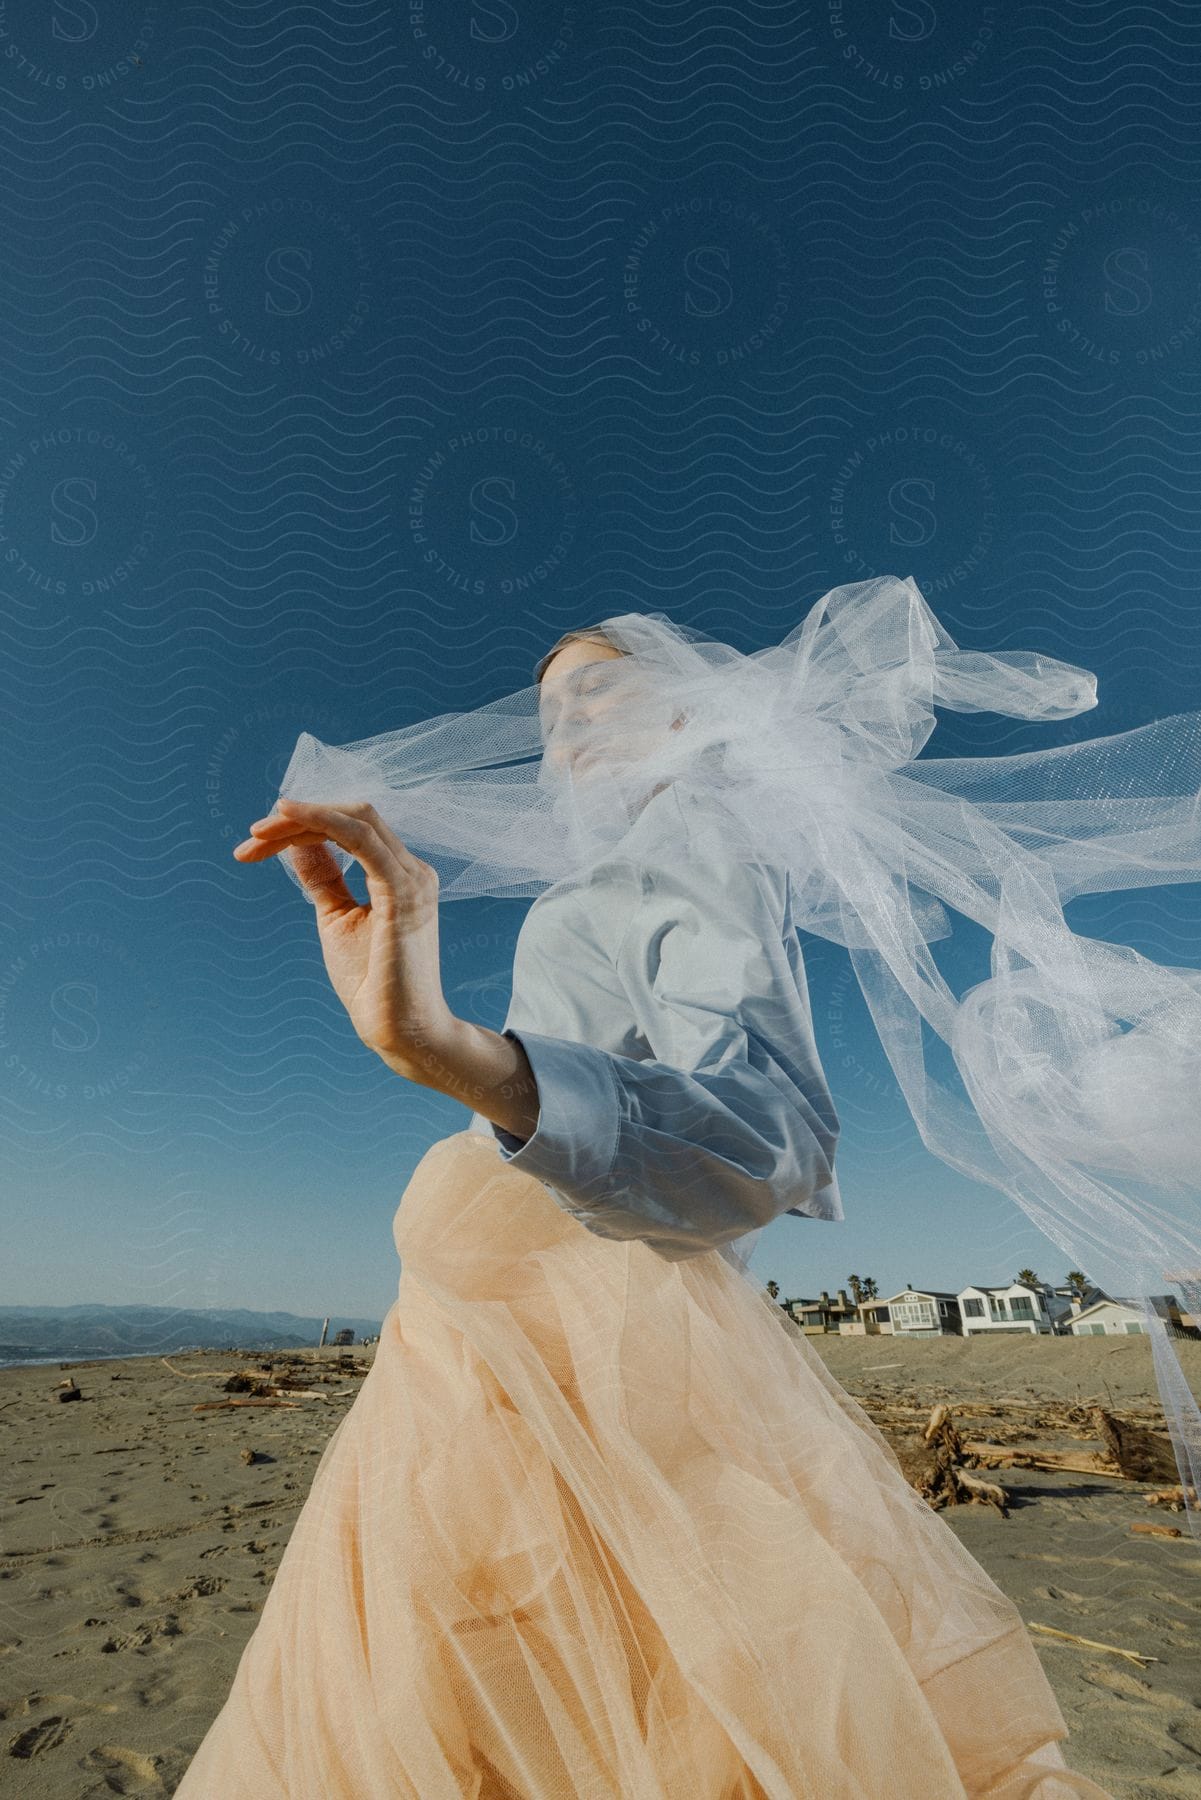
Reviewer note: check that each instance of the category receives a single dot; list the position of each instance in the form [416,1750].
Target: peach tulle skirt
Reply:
[599,1525]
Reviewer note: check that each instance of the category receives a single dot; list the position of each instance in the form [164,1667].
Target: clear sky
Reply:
[340,378]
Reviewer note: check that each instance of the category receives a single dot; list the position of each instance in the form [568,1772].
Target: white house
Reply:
[1108,1317]
[922,1312]
[1011,1306]
[1121,1315]
[1071,1302]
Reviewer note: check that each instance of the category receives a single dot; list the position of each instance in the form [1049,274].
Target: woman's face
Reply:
[573,694]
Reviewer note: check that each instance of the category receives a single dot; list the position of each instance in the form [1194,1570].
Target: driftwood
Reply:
[1173,1498]
[1141,1455]
[312,1393]
[936,1461]
[254,1400]
[934,1466]
[982,1490]
[1135,1656]
[242,1381]
[1158,1530]
[1007,1424]
[239,1380]
[1076,1462]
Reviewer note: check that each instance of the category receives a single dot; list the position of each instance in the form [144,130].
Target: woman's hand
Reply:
[382,958]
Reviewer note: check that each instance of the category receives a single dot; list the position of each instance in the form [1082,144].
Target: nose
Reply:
[569,728]
[567,747]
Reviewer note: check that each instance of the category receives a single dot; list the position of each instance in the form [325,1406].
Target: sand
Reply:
[137,1547]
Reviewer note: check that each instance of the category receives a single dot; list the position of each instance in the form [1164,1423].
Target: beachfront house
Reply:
[1006,1307]
[871,1320]
[1010,1306]
[1072,1302]
[1115,1317]
[822,1314]
[923,1312]
[1106,1317]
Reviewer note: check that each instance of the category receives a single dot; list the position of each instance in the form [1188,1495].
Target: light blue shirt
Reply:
[665,1013]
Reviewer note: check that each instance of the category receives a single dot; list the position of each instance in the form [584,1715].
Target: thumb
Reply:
[321,878]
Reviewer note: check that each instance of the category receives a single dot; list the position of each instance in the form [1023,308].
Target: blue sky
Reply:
[347,367]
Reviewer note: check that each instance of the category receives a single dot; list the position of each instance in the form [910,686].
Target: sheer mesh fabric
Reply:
[1067,1078]
[600,1525]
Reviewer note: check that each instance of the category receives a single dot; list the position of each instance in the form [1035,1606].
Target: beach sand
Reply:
[137,1546]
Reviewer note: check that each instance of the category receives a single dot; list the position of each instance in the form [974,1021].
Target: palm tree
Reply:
[861,1290]
[1029,1277]
[773,1288]
[1077,1280]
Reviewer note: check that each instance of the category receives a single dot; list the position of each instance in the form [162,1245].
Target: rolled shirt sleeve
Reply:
[729,1121]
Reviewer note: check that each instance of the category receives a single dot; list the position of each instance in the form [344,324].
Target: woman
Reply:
[599,1522]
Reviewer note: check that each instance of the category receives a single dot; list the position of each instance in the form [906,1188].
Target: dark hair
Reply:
[589,633]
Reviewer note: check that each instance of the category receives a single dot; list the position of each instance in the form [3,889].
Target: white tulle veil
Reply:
[1070,1078]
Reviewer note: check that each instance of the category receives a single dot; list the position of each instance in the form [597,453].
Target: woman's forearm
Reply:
[484,1070]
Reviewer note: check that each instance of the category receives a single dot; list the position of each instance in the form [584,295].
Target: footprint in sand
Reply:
[143,1635]
[47,1734]
[199,1586]
[1132,1686]
[35,1703]
[1188,1732]
[125,1771]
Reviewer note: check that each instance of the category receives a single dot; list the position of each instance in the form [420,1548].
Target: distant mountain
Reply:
[34,1333]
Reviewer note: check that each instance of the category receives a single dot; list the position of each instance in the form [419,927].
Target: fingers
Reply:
[321,878]
[259,848]
[352,824]
[308,855]
[355,827]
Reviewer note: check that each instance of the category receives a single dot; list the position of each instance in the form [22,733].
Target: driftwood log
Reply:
[1074,1462]
[1140,1454]
[1140,1657]
[255,1400]
[1173,1498]
[934,1465]
[1133,1452]
[938,1460]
